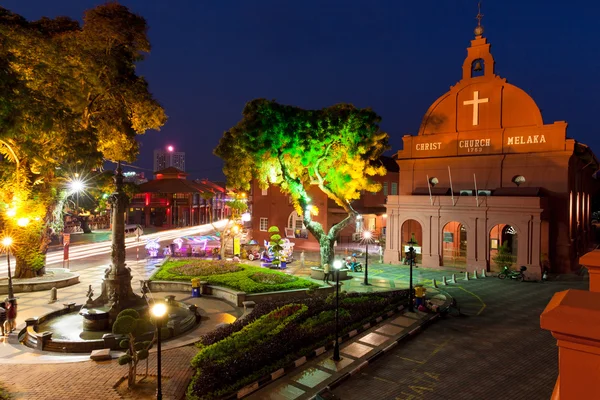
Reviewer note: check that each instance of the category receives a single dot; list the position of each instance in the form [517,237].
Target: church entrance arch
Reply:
[411,229]
[454,245]
[503,246]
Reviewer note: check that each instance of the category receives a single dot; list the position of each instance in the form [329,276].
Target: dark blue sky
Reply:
[210,57]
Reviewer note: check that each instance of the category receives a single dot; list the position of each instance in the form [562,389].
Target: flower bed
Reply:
[241,277]
[274,335]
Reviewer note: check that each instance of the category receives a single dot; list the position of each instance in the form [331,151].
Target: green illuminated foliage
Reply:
[334,149]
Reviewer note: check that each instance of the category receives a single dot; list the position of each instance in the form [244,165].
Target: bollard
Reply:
[435,283]
[137,253]
[444,281]
[467,275]
[453,278]
[475,274]
[53,295]
[483,275]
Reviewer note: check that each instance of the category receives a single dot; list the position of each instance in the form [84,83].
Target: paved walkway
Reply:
[75,377]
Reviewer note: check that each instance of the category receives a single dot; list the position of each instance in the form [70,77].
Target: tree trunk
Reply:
[326,250]
[85,226]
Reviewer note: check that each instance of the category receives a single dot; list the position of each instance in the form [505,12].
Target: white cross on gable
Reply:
[475,103]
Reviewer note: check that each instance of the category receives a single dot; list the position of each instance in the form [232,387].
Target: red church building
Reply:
[485,174]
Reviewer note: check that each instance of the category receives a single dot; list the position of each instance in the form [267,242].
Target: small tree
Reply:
[129,323]
[276,244]
[503,258]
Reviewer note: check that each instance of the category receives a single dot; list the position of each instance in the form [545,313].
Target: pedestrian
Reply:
[11,315]
[326,273]
[2,317]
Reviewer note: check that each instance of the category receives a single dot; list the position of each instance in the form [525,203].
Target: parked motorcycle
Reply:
[518,275]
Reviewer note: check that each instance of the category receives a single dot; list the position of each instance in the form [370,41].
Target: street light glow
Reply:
[7,241]
[23,222]
[337,264]
[159,309]
[11,212]
[76,185]
[367,235]
[170,148]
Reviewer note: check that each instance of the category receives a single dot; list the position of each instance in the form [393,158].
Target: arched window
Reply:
[296,225]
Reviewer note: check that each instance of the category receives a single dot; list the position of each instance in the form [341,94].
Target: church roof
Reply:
[173,185]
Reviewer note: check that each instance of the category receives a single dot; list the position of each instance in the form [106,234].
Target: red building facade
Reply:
[170,200]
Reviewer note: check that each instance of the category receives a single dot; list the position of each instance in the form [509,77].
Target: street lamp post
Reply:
[411,251]
[158,310]
[337,265]
[367,236]
[7,242]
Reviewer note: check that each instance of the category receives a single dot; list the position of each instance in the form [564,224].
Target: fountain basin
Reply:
[65,330]
[95,319]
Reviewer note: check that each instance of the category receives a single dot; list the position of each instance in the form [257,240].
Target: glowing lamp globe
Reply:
[367,235]
[170,148]
[159,310]
[337,264]
[7,241]
[76,186]
[246,217]
[22,221]
[11,212]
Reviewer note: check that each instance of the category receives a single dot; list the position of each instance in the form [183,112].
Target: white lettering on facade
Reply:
[429,146]
[531,139]
[474,145]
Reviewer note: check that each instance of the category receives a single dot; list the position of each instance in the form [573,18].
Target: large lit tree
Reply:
[69,95]
[335,149]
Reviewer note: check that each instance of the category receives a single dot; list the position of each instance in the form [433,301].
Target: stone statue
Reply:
[90,294]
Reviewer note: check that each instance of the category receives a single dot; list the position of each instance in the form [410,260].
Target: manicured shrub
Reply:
[275,335]
[241,277]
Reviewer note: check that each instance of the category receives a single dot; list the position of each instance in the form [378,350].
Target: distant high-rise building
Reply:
[169,158]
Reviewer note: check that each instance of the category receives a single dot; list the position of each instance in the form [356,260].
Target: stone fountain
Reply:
[117,293]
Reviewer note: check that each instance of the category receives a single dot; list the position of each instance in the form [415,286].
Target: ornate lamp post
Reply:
[367,235]
[158,311]
[7,243]
[411,251]
[337,265]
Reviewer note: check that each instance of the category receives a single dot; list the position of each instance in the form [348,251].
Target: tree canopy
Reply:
[335,149]
[69,97]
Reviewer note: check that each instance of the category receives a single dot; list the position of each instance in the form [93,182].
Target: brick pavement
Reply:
[95,380]
[499,354]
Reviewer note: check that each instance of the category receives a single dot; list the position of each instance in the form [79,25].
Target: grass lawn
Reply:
[237,276]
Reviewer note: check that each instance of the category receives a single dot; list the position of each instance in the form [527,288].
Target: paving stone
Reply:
[374,339]
[356,350]
[100,355]
[389,329]
[403,321]
[311,377]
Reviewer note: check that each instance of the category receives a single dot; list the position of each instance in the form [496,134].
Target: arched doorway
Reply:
[411,229]
[503,246]
[454,245]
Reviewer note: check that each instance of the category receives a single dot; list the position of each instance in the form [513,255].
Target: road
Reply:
[94,254]
[497,351]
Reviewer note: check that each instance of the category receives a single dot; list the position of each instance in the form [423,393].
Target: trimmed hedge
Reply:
[274,335]
[241,277]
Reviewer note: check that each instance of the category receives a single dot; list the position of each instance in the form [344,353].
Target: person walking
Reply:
[2,317]
[11,315]
[326,273]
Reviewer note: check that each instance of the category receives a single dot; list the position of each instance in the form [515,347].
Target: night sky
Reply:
[210,57]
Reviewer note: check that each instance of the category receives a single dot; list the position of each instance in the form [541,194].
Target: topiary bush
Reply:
[130,324]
